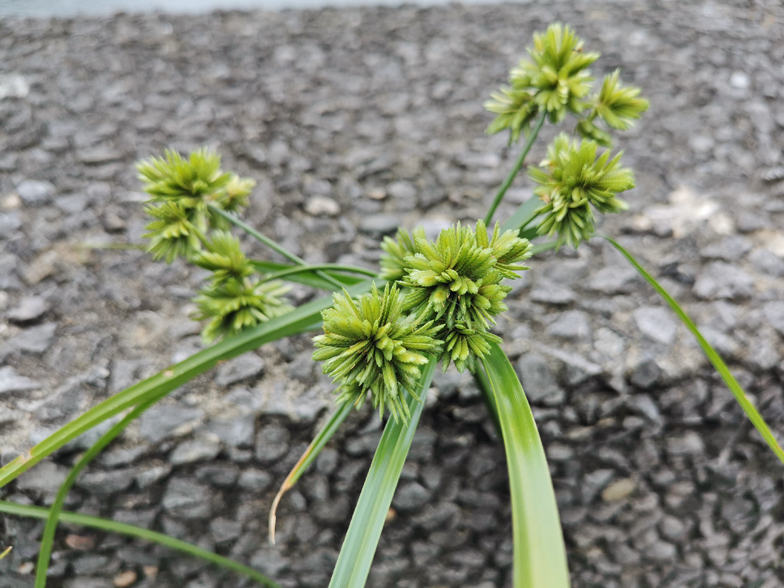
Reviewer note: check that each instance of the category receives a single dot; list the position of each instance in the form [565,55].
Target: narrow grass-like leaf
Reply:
[311,279]
[483,383]
[523,216]
[751,411]
[305,317]
[359,546]
[311,453]
[39,512]
[6,551]
[539,552]
[47,540]
[543,247]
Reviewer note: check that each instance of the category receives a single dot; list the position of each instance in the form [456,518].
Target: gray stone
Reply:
[123,374]
[162,421]
[689,443]
[88,582]
[152,475]
[730,248]
[29,309]
[270,561]
[538,380]
[34,192]
[572,324]
[673,528]
[614,279]
[723,280]
[107,483]
[577,368]
[322,206]
[646,406]
[656,323]
[767,262]
[235,432]
[547,292]
[10,381]
[246,366]
[411,497]
[187,499]
[224,529]
[379,224]
[774,314]
[254,480]
[222,475]
[646,373]
[46,477]
[272,443]
[72,203]
[661,551]
[9,223]
[35,339]
[203,449]
[594,482]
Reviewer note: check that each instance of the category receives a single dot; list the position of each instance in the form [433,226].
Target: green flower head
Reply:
[554,80]
[572,181]
[618,105]
[393,264]
[173,232]
[225,258]
[173,177]
[235,305]
[372,347]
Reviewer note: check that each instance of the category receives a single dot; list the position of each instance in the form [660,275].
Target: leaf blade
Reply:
[359,546]
[740,395]
[539,551]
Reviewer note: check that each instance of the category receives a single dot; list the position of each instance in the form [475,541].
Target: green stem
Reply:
[512,174]
[38,512]
[47,540]
[322,266]
[268,242]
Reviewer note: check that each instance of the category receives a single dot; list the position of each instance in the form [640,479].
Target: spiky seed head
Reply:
[174,232]
[618,105]
[573,181]
[225,258]
[172,177]
[234,305]
[371,347]
[554,80]
[393,264]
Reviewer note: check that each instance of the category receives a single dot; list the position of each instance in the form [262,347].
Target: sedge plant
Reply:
[383,334]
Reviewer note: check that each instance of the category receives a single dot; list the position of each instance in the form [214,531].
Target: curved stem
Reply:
[322,266]
[512,174]
[268,242]
[54,513]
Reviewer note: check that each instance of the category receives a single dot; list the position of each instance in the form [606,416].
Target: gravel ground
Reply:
[354,121]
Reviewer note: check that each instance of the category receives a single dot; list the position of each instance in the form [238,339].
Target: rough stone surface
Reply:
[375,115]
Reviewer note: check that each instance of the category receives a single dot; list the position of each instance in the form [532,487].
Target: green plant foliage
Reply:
[173,232]
[234,305]
[225,258]
[618,105]
[372,347]
[393,264]
[571,182]
[456,281]
[554,80]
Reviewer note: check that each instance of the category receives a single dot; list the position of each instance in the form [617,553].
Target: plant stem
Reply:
[39,512]
[512,174]
[54,513]
[322,266]
[268,242]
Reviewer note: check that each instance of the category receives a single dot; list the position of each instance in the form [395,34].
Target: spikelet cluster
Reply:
[572,182]
[371,346]
[180,190]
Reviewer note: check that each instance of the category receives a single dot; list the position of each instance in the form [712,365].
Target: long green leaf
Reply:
[751,411]
[311,279]
[311,453]
[539,552]
[38,512]
[524,214]
[302,318]
[359,546]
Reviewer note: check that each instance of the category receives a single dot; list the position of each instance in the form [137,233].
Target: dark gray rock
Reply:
[188,499]
[614,279]
[10,381]
[538,380]
[577,369]
[722,280]
[246,366]
[162,421]
[272,443]
[46,477]
[767,262]
[29,309]
[646,373]
[270,561]
[107,483]
[411,497]
[222,475]
[730,248]
[379,224]
[35,192]
[254,480]
[689,443]
[224,529]
[548,292]
[594,482]
[774,315]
